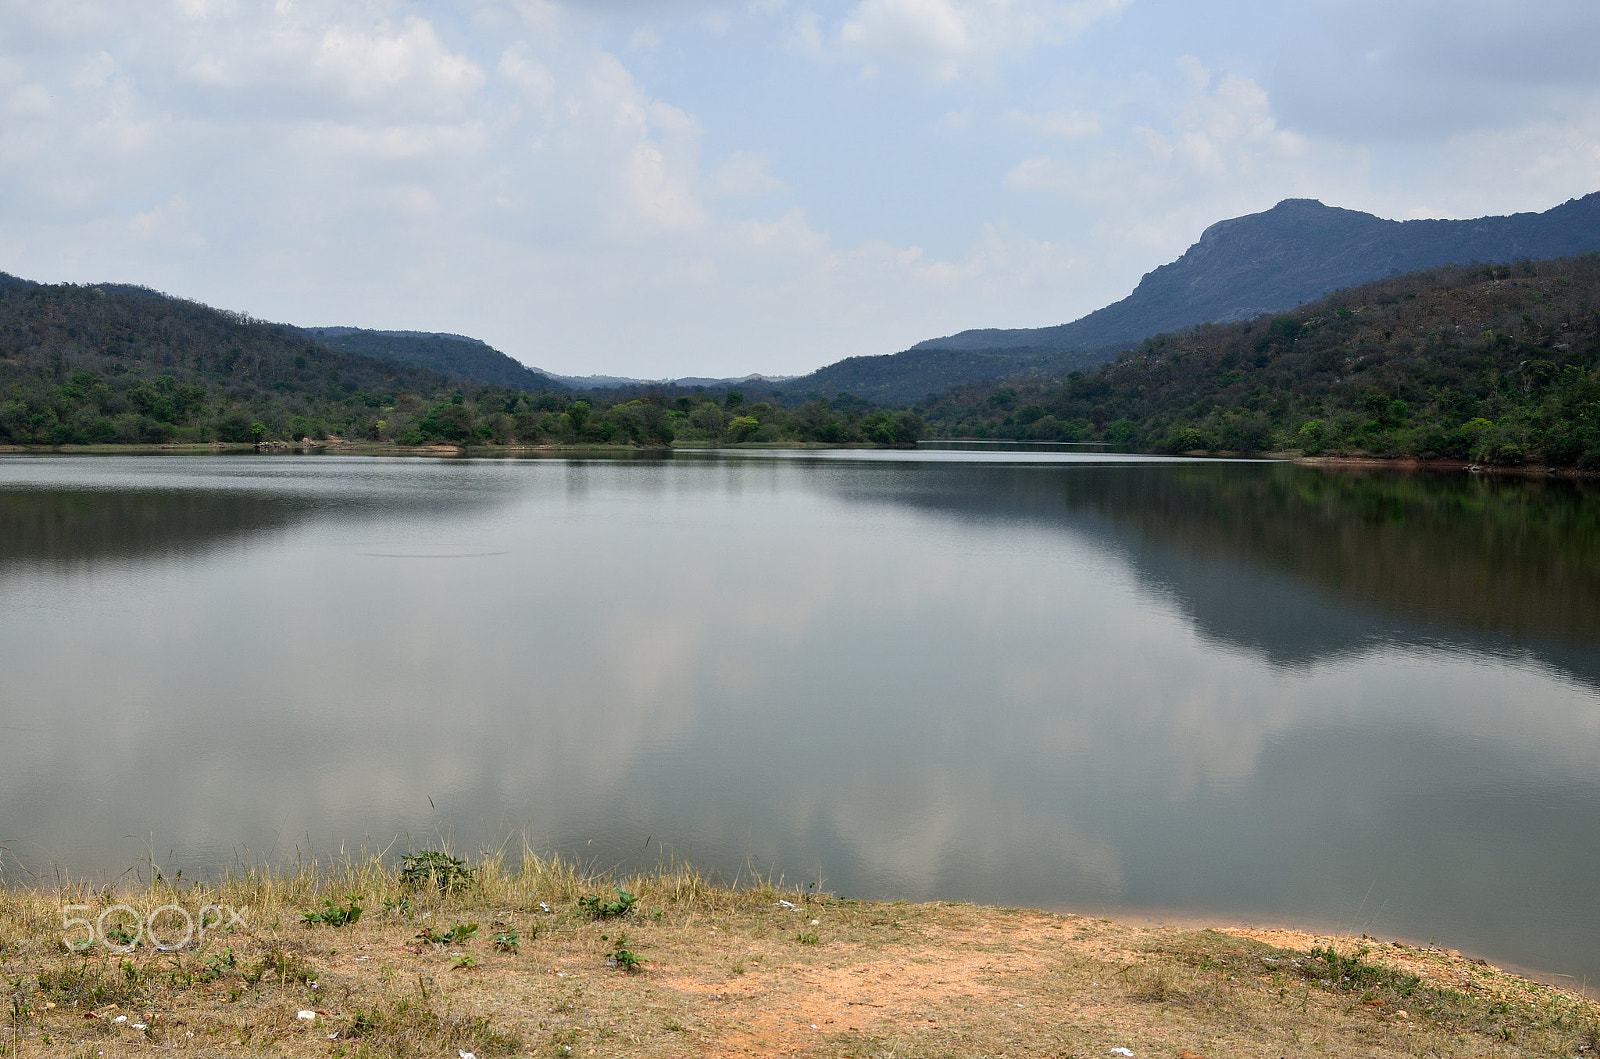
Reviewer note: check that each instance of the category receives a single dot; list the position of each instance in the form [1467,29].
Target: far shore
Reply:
[443,450]
[435,957]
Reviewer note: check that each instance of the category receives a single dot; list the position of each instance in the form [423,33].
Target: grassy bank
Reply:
[360,958]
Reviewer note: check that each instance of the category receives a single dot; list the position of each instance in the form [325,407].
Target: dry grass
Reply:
[726,973]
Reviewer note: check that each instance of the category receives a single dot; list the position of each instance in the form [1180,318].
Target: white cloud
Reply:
[369,65]
[29,101]
[1380,69]
[1070,124]
[170,223]
[327,66]
[1219,153]
[805,34]
[743,173]
[543,176]
[948,39]
[340,171]
[790,235]
[95,72]
[522,68]
[1528,167]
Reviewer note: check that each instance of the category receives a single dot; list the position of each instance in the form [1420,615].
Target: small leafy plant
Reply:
[808,938]
[598,908]
[623,956]
[436,869]
[1351,973]
[462,963]
[334,915]
[505,941]
[217,965]
[362,1025]
[457,932]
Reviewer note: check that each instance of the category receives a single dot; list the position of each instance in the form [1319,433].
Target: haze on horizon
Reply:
[700,187]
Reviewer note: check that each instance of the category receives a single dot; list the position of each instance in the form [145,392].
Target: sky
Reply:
[713,188]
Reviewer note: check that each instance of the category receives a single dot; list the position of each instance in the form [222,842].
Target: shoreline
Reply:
[364,957]
[1322,932]
[334,446]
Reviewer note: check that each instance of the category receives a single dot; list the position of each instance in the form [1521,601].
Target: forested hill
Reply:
[901,378]
[1493,364]
[453,355]
[127,365]
[1297,251]
[110,363]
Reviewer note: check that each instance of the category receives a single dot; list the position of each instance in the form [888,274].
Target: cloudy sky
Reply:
[714,187]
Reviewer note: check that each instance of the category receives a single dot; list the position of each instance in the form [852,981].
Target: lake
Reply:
[1252,692]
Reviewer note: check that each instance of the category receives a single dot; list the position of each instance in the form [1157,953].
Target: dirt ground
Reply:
[751,972]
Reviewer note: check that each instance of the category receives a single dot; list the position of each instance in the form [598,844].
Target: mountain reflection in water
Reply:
[1260,691]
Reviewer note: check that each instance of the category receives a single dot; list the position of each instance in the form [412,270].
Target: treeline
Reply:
[1492,364]
[86,365]
[497,416]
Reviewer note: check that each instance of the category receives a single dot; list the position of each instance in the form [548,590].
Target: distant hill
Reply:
[110,363]
[453,355]
[1496,365]
[1297,251]
[904,378]
[624,382]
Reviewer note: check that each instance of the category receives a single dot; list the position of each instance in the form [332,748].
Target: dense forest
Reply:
[901,378]
[454,355]
[105,365]
[1492,364]
[109,364]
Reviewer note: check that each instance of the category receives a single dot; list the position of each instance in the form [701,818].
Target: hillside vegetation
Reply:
[455,356]
[901,378]
[108,365]
[1494,364]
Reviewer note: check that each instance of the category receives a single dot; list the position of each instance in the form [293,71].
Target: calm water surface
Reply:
[1252,691]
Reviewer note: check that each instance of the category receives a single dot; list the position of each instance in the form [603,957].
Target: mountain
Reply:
[456,356]
[1295,252]
[1495,365]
